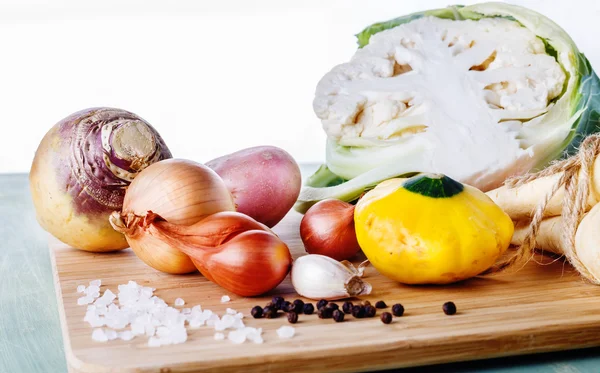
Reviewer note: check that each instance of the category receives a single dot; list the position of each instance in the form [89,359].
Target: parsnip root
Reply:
[548,237]
[586,257]
[520,202]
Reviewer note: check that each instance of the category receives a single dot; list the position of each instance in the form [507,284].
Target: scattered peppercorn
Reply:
[270,313]
[347,307]
[333,306]
[380,304]
[285,305]
[449,308]
[270,305]
[309,309]
[256,312]
[292,317]
[325,313]
[338,316]
[386,317]
[277,302]
[299,305]
[370,311]
[366,303]
[398,309]
[358,312]
[321,303]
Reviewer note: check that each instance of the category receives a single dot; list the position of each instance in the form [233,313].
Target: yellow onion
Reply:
[182,192]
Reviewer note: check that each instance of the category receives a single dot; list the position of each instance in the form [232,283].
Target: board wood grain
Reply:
[537,308]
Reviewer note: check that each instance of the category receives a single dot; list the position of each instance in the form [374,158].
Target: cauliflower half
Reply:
[437,75]
[478,93]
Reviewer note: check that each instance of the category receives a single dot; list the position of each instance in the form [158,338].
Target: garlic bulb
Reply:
[320,277]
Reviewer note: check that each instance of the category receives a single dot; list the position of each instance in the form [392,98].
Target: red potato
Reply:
[265,181]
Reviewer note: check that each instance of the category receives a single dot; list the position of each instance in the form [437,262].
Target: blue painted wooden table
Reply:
[30,337]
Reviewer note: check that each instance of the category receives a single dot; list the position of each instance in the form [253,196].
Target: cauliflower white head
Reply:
[478,93]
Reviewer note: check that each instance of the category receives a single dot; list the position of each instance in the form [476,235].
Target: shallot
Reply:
[182,192]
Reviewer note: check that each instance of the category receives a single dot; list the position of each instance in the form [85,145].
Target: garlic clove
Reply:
[320,277]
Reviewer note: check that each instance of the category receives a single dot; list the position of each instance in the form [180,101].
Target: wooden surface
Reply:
[30,334]
[539,308]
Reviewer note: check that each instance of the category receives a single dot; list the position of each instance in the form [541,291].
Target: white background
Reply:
[212,77]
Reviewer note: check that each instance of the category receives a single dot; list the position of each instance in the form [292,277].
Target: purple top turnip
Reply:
[265,181]
[81,170]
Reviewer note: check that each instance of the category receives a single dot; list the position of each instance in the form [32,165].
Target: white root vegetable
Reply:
[548,237]
[520,202]
[586,257]
[587,243]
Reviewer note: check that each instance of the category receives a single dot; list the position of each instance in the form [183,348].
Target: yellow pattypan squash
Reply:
[430,229]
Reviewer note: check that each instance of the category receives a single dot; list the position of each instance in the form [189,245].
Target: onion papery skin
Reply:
[243,257]
[81,170]
[181,192]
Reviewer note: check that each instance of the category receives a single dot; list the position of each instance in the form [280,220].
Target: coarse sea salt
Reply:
[126,335]
[237,336]
[98,335]
[92,289]
[84,300]
[286,332]
[136,312]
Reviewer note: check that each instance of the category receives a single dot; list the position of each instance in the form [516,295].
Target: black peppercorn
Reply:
[277,302]
[386,317]
[308,309]
[292,317]
[285,305]
[338,316]
[325,313]
[366,303]
[449,308]
[347,307]
[321,303]
[380,304]
[333,306]
[270,305]
[299,305]
[398,309]
[270,312]
[358,312]
[370,311]
[256,312]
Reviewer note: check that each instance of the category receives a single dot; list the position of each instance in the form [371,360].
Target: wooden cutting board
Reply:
[538,308]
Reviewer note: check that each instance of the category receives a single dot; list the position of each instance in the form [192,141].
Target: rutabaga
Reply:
[478,93]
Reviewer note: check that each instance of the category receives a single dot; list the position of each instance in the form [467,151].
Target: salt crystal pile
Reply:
[138,312]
